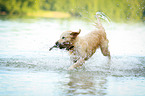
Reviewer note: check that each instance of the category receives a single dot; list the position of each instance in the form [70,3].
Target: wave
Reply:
[119,66]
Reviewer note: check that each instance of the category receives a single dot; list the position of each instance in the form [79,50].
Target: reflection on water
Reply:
[85,83]
[27,68]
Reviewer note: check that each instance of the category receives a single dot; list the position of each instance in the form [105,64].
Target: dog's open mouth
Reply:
[65,45]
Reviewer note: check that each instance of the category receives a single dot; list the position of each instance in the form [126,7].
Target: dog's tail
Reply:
[102,16]
[98,24]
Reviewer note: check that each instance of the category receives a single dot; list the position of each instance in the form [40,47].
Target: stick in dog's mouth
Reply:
[55,46]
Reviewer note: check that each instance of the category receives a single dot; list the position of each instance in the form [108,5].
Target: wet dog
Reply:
[82,48]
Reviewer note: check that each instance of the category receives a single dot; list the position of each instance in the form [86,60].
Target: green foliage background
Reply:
[117,10]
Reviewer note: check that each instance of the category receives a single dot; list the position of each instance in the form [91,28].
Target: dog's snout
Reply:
[57,43]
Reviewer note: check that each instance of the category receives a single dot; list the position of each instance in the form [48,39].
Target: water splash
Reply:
[104,17]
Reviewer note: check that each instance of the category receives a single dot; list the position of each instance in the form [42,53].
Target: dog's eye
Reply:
[63,37]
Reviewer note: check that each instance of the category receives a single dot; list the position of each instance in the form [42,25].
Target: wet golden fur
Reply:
[82,48]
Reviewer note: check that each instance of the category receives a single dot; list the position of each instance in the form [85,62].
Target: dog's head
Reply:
[67,39]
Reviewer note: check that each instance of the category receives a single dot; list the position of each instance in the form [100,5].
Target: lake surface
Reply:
[27,68]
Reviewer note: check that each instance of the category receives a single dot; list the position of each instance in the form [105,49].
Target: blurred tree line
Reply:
[115,9]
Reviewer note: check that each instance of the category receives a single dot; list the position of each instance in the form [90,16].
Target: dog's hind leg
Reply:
[79,63]
[104,48]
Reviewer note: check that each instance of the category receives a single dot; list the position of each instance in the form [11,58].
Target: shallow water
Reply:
[27,68]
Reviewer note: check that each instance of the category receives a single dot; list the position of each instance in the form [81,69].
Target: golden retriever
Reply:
[82,48]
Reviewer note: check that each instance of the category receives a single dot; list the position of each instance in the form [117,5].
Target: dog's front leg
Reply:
[79,63]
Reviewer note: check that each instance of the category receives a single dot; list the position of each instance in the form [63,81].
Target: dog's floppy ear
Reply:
[75,34]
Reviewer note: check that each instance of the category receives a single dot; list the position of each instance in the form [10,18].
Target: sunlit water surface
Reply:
[27,68]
